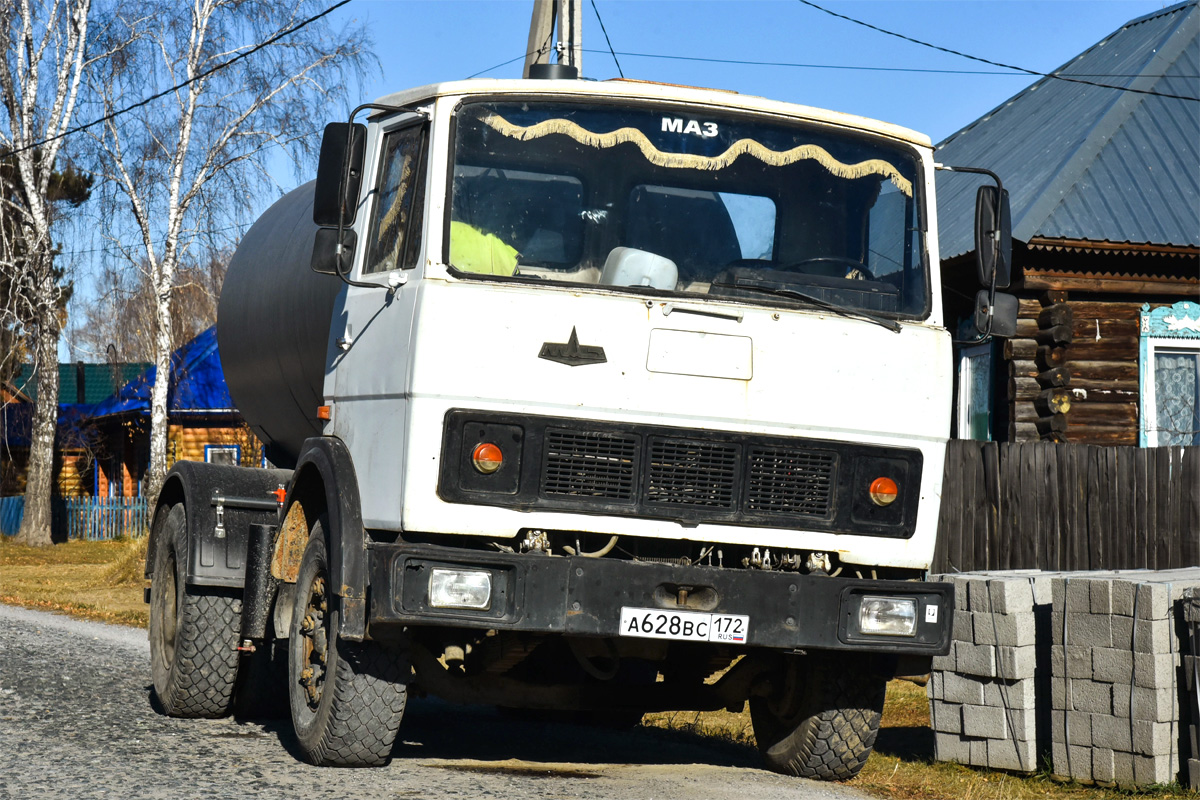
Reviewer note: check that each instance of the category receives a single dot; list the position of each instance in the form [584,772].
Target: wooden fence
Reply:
[83,517]
[1035,505]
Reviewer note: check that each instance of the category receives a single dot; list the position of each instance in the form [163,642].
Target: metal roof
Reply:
[1090,163]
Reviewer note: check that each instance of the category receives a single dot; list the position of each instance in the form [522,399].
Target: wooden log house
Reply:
[1105,192]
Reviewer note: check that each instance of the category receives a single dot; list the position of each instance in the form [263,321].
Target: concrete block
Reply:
[1071,761]
[1123,769]
[1112,665]
[1017,694]
[1006,754]
[960,629]
[1113,733]
[977,594]
[933,689]
[1090,696]
[1121,597]
[945,663]
[1013,630]
[1152,601]
[1074,596]
[960,590]
[1153,671]
[1094,630]
[1193,774]
[1078,662]
[1149,770]
[975,659]
[946,717]
[1100,597]
[1058,693]
[1153,636]
[1014,663]
[1102,763]
[978,752]
[951,747]
[984,722]
[961,689]
[1154,738]
[1078,730]
[1042,589]
[1152,705]
[1010,595]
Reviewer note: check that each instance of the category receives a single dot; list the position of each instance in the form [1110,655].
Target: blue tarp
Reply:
[197,383]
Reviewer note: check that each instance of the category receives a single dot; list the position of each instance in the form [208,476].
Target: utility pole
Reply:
[569,43]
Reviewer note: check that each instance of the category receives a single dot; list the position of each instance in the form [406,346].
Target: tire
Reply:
[346,698]
[827,729]
[193,633]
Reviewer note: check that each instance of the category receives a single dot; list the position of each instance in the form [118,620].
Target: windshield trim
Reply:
[919,190]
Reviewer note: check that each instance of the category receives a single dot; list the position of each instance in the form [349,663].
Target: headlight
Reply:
[460,588]
[888,616]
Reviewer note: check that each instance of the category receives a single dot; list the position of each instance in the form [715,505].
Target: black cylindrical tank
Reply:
[273,327]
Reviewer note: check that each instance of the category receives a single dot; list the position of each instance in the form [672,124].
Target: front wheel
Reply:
[346,698]
[822,722]
[193,632]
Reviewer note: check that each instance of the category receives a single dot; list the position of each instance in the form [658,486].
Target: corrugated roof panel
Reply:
[1084,162]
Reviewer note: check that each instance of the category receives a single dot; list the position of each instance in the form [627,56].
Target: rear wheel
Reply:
[346,698]
[193,632]
[823,720]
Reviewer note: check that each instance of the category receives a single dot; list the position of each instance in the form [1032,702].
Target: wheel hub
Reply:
[315,642]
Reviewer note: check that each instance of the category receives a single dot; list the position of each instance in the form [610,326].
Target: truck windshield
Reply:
[674,200]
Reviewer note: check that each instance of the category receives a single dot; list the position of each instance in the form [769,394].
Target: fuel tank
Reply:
[273,327]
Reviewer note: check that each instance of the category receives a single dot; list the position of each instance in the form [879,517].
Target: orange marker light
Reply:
[487,458]
[884,491]
[323,412]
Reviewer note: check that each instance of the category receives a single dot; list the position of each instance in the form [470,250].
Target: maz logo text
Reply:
[676,125]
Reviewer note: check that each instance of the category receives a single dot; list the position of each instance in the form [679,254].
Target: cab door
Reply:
[372,324]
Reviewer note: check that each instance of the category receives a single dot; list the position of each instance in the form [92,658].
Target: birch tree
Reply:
[44,46]
[195,161]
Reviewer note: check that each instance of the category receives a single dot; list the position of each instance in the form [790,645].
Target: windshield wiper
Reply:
[819,302]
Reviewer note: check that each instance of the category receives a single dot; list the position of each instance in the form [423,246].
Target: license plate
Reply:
[691,626]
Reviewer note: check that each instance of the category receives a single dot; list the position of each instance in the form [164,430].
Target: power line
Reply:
[605,32]
[1055,75]
[178,86]
[744,62]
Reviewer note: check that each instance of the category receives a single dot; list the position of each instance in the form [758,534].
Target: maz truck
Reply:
[584,400]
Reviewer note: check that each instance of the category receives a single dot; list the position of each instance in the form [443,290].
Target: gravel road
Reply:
[77,721]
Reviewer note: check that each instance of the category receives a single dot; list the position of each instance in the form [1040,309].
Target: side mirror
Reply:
[329,202]
[993,237]
[324,254]
[1003,313]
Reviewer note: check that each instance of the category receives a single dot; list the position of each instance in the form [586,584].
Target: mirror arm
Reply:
[344,274]
[995,235]
[1000,192]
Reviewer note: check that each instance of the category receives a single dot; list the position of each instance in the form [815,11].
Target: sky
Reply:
[426,41]
[419,42]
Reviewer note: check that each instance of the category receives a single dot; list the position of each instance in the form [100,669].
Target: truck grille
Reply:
[697,476]
[790,481]
[589,464]
[691,473]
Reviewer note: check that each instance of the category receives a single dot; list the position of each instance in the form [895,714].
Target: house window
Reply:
[1169,371]
[974,412]
[229,454]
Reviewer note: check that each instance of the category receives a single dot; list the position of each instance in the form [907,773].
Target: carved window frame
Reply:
[1174,327]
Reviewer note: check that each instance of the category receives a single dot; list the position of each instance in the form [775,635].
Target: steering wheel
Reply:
[850,267]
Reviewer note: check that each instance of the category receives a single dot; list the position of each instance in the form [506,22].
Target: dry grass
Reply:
[93,580]
[103,581]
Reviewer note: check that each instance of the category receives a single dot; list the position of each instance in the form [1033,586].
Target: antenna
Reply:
[569,42]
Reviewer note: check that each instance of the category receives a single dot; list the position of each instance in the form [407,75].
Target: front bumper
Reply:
[584,596]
